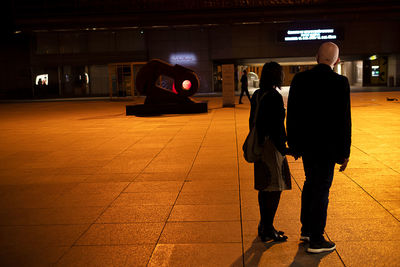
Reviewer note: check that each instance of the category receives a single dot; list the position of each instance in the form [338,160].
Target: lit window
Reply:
[42,79]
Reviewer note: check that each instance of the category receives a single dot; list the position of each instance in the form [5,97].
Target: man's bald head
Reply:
[328,53]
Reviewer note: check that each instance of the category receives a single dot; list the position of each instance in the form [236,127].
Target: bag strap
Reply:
[258,101]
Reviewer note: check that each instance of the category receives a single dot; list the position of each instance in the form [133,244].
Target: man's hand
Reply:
[344,165]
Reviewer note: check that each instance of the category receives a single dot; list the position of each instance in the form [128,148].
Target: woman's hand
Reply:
[292,153]
[344,165]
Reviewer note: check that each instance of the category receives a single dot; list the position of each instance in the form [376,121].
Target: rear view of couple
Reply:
[318,130]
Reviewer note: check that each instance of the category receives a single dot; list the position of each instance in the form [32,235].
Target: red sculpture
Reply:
[160,100]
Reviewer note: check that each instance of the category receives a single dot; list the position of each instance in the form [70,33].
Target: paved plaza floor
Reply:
[81,184]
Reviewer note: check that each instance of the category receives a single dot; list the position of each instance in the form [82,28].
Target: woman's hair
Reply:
[271,75]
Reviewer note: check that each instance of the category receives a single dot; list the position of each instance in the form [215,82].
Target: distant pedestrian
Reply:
[271,172]
[319,131]
[245,85]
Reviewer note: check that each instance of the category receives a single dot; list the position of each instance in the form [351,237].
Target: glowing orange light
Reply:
[186,84]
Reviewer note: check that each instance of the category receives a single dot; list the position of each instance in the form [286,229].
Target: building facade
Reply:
[80,49]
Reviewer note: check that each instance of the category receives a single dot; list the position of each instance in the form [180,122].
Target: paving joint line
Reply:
[371,197]
[377,159]
[149,244]
[84,181]
[340,258]
[354,181]
[240,198]
[94,222]
[180,190]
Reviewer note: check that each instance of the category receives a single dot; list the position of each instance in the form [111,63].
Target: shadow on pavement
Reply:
[253,254]
[303,258]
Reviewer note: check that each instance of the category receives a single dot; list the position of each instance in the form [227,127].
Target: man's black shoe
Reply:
[321,246]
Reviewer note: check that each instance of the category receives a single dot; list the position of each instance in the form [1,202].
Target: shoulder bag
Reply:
[252,151]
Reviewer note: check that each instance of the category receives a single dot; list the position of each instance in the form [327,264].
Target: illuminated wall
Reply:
[188,47]
[196,47]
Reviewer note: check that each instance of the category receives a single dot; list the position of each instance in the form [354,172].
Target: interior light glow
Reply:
[339,69]
[373,57]
[184,59]
[42,79]
[375,71]
[87,78]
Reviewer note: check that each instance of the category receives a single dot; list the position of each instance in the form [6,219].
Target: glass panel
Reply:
[47,43]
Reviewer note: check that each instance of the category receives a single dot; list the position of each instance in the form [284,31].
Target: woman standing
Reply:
[269,123]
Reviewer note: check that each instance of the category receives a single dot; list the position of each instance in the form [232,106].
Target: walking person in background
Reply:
[319,130]
[245,85]
[269,124]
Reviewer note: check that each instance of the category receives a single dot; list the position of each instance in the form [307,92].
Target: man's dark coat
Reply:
[318,114]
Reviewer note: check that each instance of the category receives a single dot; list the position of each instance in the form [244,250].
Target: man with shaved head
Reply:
[319,130]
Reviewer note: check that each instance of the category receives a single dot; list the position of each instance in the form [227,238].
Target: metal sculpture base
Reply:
[175,108]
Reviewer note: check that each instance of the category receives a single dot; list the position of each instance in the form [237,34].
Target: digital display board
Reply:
[300,35]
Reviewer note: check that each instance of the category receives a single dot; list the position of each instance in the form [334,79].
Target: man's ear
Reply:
[337,61]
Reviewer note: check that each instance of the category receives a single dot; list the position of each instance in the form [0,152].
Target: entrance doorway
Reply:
[122,77]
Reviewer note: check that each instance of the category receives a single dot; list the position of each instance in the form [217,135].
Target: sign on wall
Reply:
[184,59]
[319,34]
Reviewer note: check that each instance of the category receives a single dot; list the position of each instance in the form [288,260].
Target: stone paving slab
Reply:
[81,184]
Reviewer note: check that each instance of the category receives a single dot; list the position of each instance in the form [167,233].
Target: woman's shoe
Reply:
[275,235]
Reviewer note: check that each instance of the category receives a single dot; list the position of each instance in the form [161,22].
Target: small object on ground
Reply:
[391,99]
